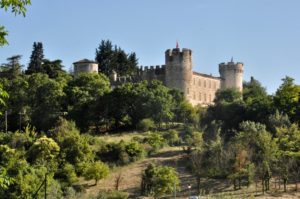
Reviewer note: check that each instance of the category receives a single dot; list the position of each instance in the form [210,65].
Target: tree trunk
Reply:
[263,186]
[284,184]
[198,184]
[239,180]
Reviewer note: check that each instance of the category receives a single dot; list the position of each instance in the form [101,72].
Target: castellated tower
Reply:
[231,75]
[178,69]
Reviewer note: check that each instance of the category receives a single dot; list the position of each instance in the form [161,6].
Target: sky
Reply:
[263,34]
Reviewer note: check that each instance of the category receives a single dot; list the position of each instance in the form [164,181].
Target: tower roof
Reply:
[84,61]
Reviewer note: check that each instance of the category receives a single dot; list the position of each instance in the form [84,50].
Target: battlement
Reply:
[158,69]
[178,52]
[238,66]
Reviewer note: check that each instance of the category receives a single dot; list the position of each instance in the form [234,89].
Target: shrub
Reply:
[155,140]
[134,150]
[121,153]
[171,137]
[146,124]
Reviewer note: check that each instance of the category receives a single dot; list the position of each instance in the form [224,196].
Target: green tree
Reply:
[286,98]
[159,180]
[53,68]
[36,59]
[258,102]
[45,100]
[84,99]
[74,148]
[17,7]
[113,58]
[13,68]
[262,147]
[97,171]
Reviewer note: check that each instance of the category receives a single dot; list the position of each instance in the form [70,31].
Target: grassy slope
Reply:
[175,157]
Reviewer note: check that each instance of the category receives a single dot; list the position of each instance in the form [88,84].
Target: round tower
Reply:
[178,69]
[231,75]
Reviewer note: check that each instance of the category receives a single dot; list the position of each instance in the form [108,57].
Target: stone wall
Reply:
[202,89]
[178,68]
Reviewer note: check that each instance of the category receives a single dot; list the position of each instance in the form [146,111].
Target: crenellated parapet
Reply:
[156,70]
[237,67]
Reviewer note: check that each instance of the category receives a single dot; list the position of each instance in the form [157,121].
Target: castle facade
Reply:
[177,73]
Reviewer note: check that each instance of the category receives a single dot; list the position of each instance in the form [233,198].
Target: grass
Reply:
[175,157]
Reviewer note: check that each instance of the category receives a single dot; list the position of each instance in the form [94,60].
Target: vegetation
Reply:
[53,133]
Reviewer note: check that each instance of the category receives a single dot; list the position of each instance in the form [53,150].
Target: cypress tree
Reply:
[36,59]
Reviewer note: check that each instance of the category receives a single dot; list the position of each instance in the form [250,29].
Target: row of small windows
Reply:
[201,97]
[209,83]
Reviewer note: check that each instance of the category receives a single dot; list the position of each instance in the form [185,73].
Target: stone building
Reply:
[177,73]
[85,65]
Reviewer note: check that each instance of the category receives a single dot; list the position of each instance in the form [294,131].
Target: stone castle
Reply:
[177,73]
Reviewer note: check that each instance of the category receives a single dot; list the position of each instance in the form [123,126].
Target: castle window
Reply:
[204,83]
[194,81]
[209,97]
[209,84]
[215,85]
[194,96]
[199,82]
[204,97]
[200,97]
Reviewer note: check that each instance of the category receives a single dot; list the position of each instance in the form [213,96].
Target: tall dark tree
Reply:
[36,59]
[113,58]
[52,68]
[13,68]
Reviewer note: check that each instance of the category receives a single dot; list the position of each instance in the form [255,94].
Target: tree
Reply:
[44,151]
[97,171]
[286,98]
[36,59]
[13,68]
[115,59]
[74,148]
[17,7]
[84,99]
[254,138]
[45,100]
[228,95]
[53,68]
[159,180]
[258,102]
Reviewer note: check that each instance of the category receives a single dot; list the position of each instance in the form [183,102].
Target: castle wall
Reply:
[153,73]
[202,89]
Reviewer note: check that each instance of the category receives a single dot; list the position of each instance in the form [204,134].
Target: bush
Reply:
[171,137]
[134,150]
[121,153]
[146,124]
[112,195]
[155,140]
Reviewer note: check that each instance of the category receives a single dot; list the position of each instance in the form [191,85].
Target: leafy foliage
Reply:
[159,180]
[96,170]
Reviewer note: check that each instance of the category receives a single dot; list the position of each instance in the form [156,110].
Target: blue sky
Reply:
[263,34]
